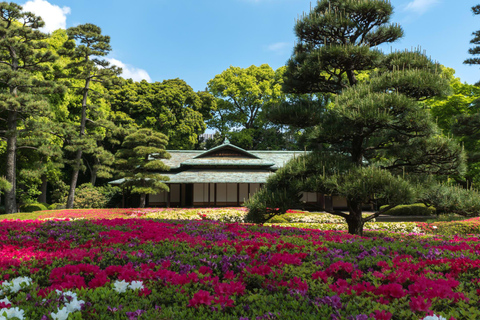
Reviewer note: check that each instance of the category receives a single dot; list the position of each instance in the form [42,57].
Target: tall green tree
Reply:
[170,107]
[474,51]
[139,161]
[243,96]
[458,115]
[22,95]
[85,48]
[373,128]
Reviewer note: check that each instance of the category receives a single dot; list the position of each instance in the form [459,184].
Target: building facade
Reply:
[224,176]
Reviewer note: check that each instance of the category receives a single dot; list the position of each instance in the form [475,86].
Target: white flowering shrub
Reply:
[122,286]
[70,304]
[15,285]
[11,313]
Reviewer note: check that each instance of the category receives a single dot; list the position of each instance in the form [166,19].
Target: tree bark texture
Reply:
[354,220]
[10,196]
[42,198]
[78,157]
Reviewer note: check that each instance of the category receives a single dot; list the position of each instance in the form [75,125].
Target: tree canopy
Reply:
[170,107]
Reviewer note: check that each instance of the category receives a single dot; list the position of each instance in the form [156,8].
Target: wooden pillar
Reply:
[168,197]
[321,200]
[209,195]
[238,194]
[248,192]
[181,194]
[215,194]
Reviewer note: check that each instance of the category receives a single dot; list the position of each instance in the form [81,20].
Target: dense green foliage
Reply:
[243,98]
[170,107]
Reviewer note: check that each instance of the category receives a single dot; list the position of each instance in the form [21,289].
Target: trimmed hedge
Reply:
[277,219]
[416,209]
[31,207]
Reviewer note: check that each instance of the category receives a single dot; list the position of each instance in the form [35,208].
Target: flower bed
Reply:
[469,226]
[157,269]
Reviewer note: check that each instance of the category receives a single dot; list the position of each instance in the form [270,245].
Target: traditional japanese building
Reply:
[223,176]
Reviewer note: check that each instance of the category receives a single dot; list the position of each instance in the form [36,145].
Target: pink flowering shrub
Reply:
[154,269]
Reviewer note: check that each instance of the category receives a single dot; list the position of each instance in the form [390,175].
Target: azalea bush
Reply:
[162,269]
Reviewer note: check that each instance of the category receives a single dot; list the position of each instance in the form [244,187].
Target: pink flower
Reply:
[419,304]
[201,297]
[381,315]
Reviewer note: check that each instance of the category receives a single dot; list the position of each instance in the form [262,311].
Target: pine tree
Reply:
[85,47]
[475,51]
[374,127]
[22,57]
[140,160]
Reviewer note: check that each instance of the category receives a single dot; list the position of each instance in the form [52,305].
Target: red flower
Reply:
[419,304]
[201,297]
[381,315]
[144,292]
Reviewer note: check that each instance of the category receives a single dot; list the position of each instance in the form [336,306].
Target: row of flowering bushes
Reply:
[159,269]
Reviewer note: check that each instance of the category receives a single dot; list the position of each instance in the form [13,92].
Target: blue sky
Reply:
[195,40]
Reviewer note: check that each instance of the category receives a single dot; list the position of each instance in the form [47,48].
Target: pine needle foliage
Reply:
[140,160]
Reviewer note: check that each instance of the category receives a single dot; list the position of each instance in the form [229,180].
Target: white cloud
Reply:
[54,16]
[420,6]
[129,71]
[280,47]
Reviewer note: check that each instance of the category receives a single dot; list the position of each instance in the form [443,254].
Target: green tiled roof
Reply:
[214,176]
[277,158]
[227,162]
[192,166]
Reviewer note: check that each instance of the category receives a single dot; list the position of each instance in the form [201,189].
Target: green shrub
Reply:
[88,196]
[277,219]
[31,207]
[416,209]
[55,206]
[452,199]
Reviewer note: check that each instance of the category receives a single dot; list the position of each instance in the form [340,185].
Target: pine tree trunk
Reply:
[78,158]
[93,171]
[43,188]
[10,196]
[355,220]
[143,199]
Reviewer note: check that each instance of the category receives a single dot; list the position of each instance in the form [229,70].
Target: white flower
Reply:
[5,300]
[434,317]
[16,284]
[9,313]
[136,285]
[120,286]
[62,314]
[70,294]
[74,305]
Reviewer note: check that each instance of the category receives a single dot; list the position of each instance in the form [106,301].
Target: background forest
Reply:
[67,116]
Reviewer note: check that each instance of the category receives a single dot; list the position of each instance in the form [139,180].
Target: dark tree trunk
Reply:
[43,188]
[10,196]
[93,176]
[357,151]
[354,219]
[78,158]
[143,198]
